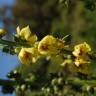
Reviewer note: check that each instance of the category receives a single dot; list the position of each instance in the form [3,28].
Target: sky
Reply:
[7,2]
[7,62]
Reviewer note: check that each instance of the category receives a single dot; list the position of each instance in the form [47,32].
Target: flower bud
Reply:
[2,32]
[60,80]
[54,82]
[17,50]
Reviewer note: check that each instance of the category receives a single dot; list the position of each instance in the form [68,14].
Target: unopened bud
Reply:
[17,50]
[2,32]
[60,80]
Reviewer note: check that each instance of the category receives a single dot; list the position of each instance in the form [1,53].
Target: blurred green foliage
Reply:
[58,17]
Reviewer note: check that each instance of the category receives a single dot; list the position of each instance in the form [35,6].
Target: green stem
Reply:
[7,82]
[15,83]
[11,43]
[77,81]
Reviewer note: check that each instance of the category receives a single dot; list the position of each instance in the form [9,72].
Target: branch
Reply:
[33,85]
[77,81]
[7,82]
[11,43]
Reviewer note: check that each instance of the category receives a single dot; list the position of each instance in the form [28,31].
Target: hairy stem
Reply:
[11,43]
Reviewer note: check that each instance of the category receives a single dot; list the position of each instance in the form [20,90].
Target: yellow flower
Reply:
[2,32]
[26,34]
[81,49]
[24,56]
[82,60]
[28,55]
[32,39]
[34,53]
[48,45]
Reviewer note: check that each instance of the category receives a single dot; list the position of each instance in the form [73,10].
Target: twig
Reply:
[11,43]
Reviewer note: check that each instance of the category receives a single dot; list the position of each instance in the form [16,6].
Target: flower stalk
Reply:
[77,81]
[74,81]
[11,43]
[7,82]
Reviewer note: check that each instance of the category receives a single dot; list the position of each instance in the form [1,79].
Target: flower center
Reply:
[44,47]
